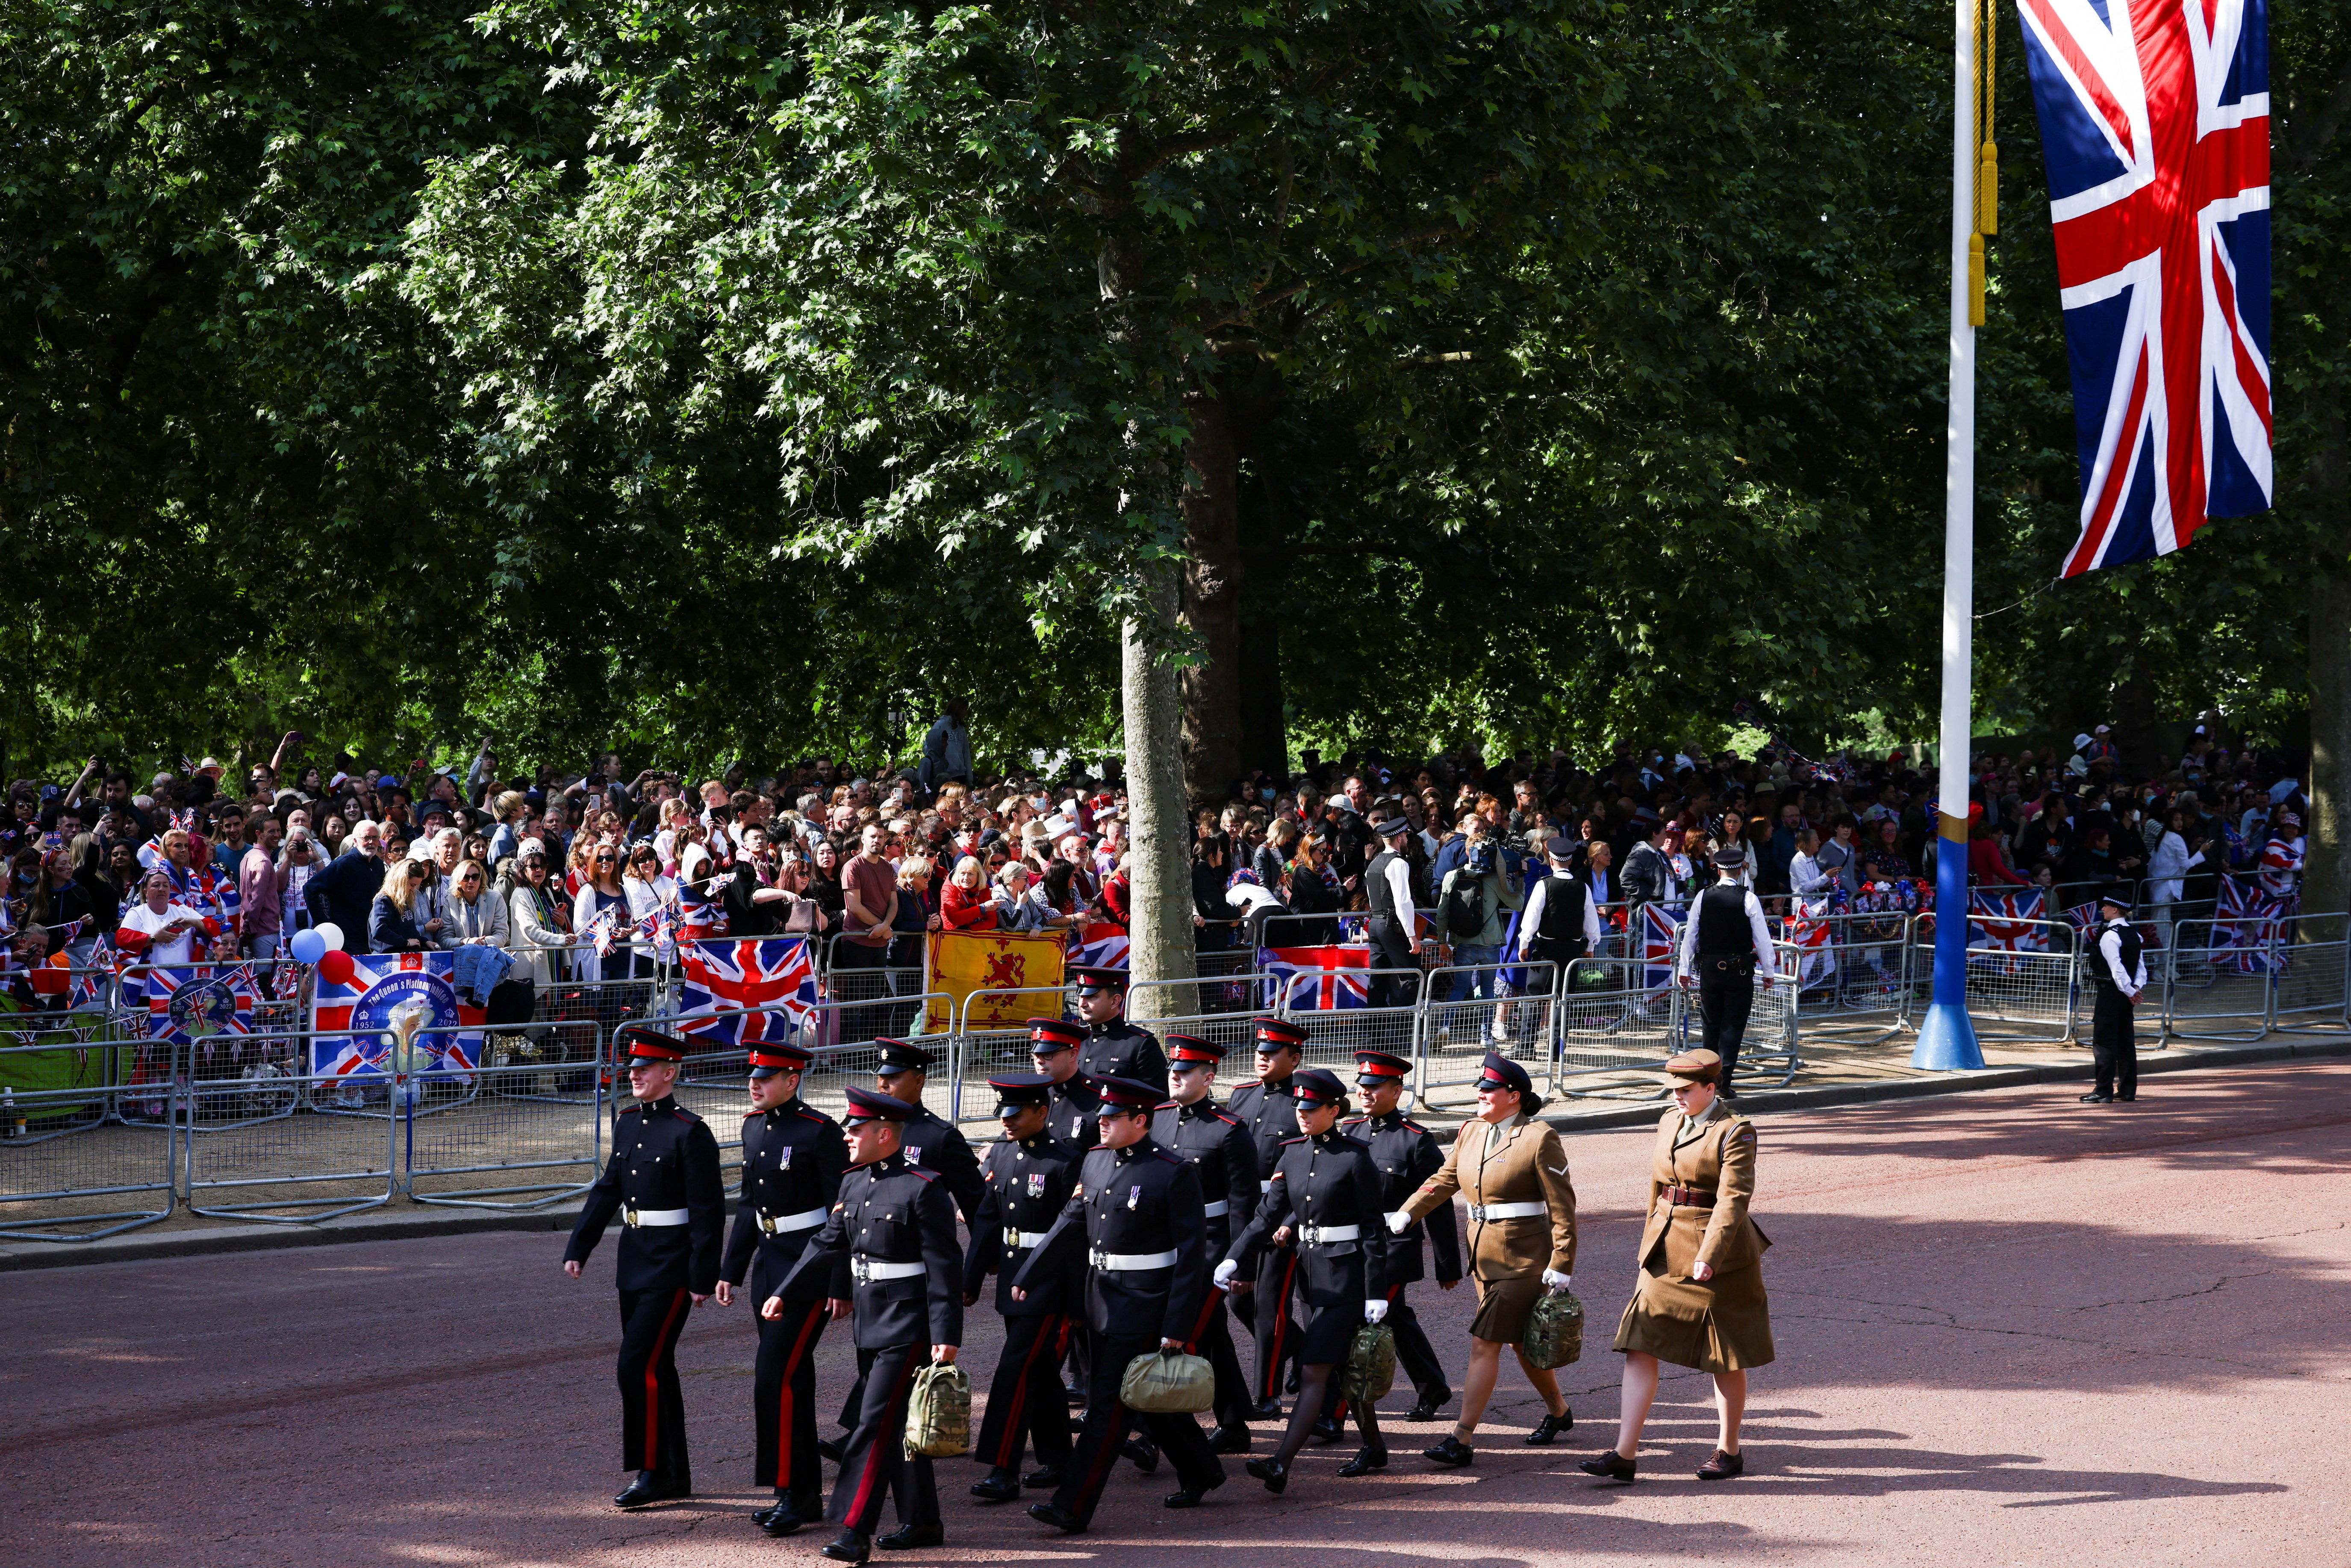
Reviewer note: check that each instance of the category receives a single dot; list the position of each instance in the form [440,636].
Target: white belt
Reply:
[1218,1209]
[637,1218]
[1322,1235]
[1016,1239]
[865,1268]
[1128,1262]
[778,1225]
[1264,1186]
[1508,1210]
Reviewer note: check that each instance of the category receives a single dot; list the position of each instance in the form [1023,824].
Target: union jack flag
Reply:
[1661,938]
[725,980]
[1100,946]
[1316,979]
[192,1002]
[2006,923]
[2249,931]
[658,931]
[602,930]
[2281,865]
[700,915]
[2154,118]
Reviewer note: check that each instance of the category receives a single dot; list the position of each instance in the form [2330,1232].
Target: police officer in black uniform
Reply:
[1115,1048]
[1725,945]
[889,1249]
[793,1160]
[1268,1111]
[1560,922]
[1325,1201]
[1224,1155]
[662,1181]
[2117,974]
[1135,1223]
[1072,1104]
[1028,1177]
[1406,1155]
[1395,922]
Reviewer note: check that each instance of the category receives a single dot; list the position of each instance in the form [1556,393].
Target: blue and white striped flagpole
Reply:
[1947,1037]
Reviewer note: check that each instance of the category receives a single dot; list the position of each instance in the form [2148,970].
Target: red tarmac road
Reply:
[2011,1330]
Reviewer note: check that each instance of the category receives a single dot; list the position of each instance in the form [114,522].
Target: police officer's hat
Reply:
[652,1045]
[1018,1091]
[1393,828]
[1373,1066]
[1126,1094]
[1731,857]
[1191,1050]
[2113,894]
[1099,977]
[897,1056]
[1561,847]
[769,1058]
[1318,1086]
[1274,1034]
[1047,1036]
[870,1105]
[1499,1071]
[1700,1066]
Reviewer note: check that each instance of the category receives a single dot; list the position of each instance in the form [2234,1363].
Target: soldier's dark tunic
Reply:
[1270,1111]
[1406,1155]
[1117,1049]
[1028,1184]
[1327,1191]
[1225,1158]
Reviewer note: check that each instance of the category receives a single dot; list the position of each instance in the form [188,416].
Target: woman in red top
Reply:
[1988,860]
[966,905]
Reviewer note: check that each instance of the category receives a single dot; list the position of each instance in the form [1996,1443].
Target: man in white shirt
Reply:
[1725,945]
[2118,976]
[1395,927]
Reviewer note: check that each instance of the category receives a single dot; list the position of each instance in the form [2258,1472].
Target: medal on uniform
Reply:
[784,1158]
[913,1154]
[1035,1183]
[1077,1125]
[1133,1196]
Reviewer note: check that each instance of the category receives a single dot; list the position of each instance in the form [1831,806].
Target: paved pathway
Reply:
[2012,1330]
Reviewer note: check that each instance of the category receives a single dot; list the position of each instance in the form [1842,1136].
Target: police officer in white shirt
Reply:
[2117,974]
[1725,945]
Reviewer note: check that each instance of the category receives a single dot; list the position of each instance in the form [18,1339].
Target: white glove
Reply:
[1225,1273]
[1399,1222]
[1375,1310]
[1555,1281]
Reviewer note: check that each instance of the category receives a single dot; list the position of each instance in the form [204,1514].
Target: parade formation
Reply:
[1126,1216]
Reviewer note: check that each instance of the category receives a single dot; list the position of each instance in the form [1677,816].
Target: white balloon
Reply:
[331,933]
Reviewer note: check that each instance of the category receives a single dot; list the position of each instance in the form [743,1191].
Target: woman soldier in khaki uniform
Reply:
[1699,1300]
[1513,1173]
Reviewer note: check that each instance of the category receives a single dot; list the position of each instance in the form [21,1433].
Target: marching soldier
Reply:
[1326,1204]
[1725,945]
[1135,1224]
[793,1160]
[1028,1175]
[902,1071]
[2118,974]
[1406,1155]
[1268,1111]
[1071,1103]
[1225,1157]
[1115,1048]
[662,1180]
[888,1251]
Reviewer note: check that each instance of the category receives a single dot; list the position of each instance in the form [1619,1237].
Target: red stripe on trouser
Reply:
[784,1406]
[857,1504]
[1207,1310]
[1281,1305]
[653,1386]
[1010,1451]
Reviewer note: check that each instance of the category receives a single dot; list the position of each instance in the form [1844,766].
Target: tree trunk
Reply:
[2327,884]
[1159,842]
[1212,600]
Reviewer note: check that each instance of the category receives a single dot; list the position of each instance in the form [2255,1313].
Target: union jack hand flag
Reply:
[1100,946]
[700,914]
[1316,979]
[2155,119]
[725,980]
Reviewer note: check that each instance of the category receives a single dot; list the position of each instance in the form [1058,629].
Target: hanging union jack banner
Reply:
[1315,979]
[186,1003]
[2008,923]
[725,981]
[2155,119]
[1661,939]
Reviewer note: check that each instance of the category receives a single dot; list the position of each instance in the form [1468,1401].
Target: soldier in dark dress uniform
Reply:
[1072,1104]
[889,1249]
[1115,1048]
[662,1181]
[1224,1155]
[1266,1109]
[1325,1202]
[1135,1225]
[793,1160]
[1028,1177]
[1406,1155]
[903,1072]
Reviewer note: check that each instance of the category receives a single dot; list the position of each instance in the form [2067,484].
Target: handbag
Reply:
[938,1413]
[1168,1382]
[1555,1335]
[1371,1365]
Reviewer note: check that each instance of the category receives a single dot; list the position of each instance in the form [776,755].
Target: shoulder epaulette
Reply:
[1354,1120]
[1300,1139]
[925,1175]
[1414,1127]
[1172,1158]
[636,1109]
[684,1114]
[819,1117]
[1229,1117]
[1163,1105]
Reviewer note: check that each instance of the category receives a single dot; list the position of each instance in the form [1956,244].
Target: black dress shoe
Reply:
[1002,1486]
[1326,1429]
[1609,1465]
[1187,1498]
[2097,1099]
[849,1546]
[1046,1513]
[1428,1405]
[1077,1398]
[907,1537]
[1143,1452]
[1549,1427]
[1450,1450]
[760,1516]
[647,1488]
[1229,1440]
[829,1447]
[1273,1472]
[2126,1099]
[1042,1479]
[1722,1466]
[1267,1410]
[787,1517]
[1292,1387]
[1366,1461]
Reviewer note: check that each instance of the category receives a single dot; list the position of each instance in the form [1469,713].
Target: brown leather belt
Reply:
[1688,1198]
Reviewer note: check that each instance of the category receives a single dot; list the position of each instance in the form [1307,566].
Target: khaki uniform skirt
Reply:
[1503,1306]
[1723,1324]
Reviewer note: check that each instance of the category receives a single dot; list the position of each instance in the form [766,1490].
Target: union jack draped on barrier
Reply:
[381,986]
[1292,980]
[724,978]
[700,915]
[2006,923]
[1661,938]
[196,1001]
[2249,933]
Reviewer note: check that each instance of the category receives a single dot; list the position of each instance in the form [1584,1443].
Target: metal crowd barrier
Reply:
[296,1140]
[68,1157]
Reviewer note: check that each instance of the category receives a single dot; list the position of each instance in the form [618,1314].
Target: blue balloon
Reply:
[309,946]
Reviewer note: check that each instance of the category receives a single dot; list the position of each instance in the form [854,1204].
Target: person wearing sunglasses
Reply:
[391,920]
[599,890]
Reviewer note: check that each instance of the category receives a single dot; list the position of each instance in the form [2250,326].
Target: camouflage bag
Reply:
[1371,1365]
[1554,1333]
[1168,1382]
[938,1413]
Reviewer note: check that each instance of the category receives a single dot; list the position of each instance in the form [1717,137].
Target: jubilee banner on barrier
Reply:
[387,993]
[961,966]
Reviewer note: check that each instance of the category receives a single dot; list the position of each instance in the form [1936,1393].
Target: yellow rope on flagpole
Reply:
[1987,182]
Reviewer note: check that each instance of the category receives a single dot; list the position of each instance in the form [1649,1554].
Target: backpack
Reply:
[938,1413]
[1464,907]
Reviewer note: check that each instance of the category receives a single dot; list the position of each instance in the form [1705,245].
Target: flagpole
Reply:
[1947,1036]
